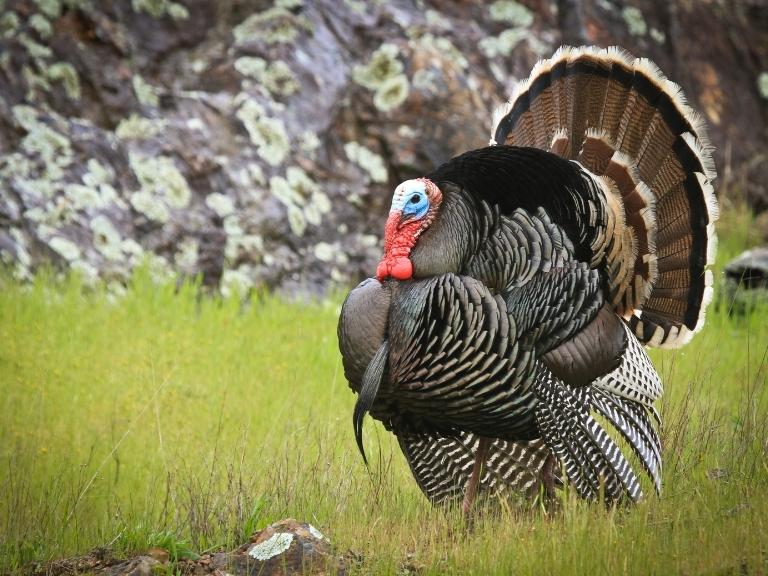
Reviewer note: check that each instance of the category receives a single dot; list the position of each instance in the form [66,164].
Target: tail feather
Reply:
[642,445]
[442,465]
[633,131]
[592,460]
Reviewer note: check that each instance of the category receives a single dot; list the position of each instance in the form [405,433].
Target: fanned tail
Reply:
[624,397]
[633,132]
[592,460]
[442,465]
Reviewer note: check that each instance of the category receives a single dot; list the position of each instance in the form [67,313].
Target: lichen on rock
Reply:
[511,12]
[276,25]
[762,84]
[159,8]
[266,133]
[106,238]
[276,76]
[634,20]
[51,8]
[382,66]
[269,148]
[220,203]
[66,73]
[41,25]
[302,197]
[136,127]
[159,176]
[368,160]
[146,94]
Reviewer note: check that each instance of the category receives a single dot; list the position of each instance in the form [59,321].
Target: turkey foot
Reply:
[470,492]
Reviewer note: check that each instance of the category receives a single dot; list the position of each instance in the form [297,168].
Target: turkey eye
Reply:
[415,199]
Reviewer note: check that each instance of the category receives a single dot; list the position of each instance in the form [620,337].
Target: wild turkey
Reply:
[520,282]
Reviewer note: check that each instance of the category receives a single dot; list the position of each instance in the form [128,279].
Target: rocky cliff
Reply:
[257,142]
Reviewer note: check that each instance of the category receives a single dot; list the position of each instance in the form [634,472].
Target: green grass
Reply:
[164,419]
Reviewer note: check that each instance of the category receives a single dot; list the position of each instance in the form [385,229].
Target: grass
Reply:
[165,419]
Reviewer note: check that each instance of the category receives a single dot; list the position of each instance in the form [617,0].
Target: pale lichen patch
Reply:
[309,143]
[296,220]
[187,254]
[51,8]
[368,160]
[382,66]
[658,36]
[146,94]
[64,247]
[503,44]
[159,176]
[383,74]
[237,282]
[221,204]
[106,238]
[159,8]
[277,25]
[243,245]
[324,252]
[150,205]
[66,73]
[436,20]
[512,12]
[136,127]
[392,93]
[9,25]
[276,76]
[41,25]
[35,49]
[762,84]
[267,134]
[443,48]
[301,195]
[634,20]
[52,147]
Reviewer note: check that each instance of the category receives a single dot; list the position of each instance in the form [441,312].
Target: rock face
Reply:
[257,143]
[746,279]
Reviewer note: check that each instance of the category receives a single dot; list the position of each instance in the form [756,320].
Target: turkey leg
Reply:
[474,480]
[547,476]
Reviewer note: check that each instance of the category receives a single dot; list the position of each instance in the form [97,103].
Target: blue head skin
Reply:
[410,199]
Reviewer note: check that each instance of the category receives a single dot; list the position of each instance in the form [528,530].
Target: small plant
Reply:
[177,548]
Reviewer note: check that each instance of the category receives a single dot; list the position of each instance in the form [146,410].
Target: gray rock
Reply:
[258,144]
[284,548]
[138,566]
[746,279]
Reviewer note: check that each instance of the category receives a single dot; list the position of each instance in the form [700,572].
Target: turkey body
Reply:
[542,265]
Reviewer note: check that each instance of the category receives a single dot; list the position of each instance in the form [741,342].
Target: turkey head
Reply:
[414,207]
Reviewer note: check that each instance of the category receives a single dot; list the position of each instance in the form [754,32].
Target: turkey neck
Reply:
[446,245]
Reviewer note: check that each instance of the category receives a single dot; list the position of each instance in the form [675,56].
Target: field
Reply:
[162,418]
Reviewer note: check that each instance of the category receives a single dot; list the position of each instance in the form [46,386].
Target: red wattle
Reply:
[399,238]
[401,269]
[382,270]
